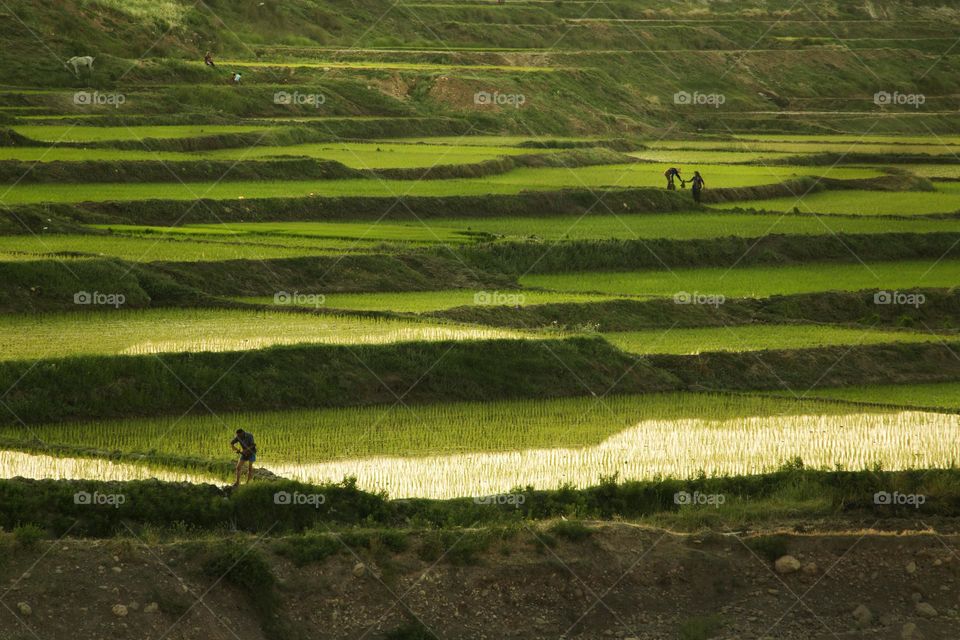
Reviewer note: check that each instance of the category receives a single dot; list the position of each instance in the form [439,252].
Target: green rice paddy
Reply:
[163,248]
[512,182]
[684,226]
[304,233]
[331,434]
[359,155]
[461,449]
[941,395]
[757,282]
[479,438]
[946,199]
[134,332]
[757,338]
[426,301]
[81,133]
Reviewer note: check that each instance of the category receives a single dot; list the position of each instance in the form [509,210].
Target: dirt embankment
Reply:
[620,581]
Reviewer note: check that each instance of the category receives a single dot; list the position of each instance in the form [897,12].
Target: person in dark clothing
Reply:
[671,174]
[697,185]
[208,60]
[248,453]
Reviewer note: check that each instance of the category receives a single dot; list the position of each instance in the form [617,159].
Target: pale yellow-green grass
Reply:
[132,332]
[680,448]
[758,338]
[26,465]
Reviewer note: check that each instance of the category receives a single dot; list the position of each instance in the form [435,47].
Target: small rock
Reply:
[810,569]
[909,632]
[786,564]
[863,616]
[911,567]
[152,607]
[116,569]
[359,570]
[119,610]
[24,609]
[926,610]
[916,597]
[134,606]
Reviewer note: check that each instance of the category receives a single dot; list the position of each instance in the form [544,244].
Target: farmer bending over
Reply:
[671,174]
[247,451]
[208,60]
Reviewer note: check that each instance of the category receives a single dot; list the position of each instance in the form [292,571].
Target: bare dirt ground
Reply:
[622,581]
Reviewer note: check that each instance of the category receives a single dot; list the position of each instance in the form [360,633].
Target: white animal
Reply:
[80,62]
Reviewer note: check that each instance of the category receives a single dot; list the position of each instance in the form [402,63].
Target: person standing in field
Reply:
[671,174]
[208,60]
[697,186]
[248,453]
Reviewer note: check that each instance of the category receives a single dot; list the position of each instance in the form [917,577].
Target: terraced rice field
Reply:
[303,234]
[759,338]
[359,155]
[930,146]
[512,182]
[163,248]
[379,64]
[465,448]
[122,332]
[15,464]
[452,448]
[684,226]
[757,282]
[946,199]
[80,133]
[939,395]
[426,301]
[699,156]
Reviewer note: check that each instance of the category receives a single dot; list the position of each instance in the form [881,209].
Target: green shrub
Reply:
[28,536]
[572,530]
[302,550]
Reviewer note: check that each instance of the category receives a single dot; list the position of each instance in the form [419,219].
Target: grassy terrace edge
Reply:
[476,266]
[305,376]
[50,504]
